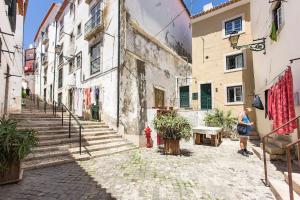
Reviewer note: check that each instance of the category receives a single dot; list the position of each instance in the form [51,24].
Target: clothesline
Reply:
[260,92]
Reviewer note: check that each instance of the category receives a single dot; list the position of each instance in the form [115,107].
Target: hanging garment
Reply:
[80,103]
[256,103]
[266,103]
[290,98]
[93,98]
[270,103]
[87,97]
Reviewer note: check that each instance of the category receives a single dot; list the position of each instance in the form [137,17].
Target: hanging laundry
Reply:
[93,99]
[266,103]
[281,106]
[87,97]
[256,103]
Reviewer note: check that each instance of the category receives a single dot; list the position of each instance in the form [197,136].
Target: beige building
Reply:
[222,76]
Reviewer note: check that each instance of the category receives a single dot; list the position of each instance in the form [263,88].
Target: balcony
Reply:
[45,39]
[94,25]
[44,59]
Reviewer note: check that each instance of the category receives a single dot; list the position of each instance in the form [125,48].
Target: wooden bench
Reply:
[207,135]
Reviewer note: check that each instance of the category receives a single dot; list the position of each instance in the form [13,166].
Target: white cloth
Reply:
[79,102]
[93,98]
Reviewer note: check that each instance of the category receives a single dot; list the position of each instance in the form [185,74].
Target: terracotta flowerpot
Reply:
[171,146]
[12,175]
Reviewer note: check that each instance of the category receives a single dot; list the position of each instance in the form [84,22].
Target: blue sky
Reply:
[38,8]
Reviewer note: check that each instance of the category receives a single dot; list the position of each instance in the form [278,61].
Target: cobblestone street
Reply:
[203,172]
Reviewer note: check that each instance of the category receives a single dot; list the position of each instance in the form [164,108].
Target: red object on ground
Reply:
[148,131]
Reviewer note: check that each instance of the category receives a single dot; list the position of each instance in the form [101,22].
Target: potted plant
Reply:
[14,146]
[172,128]
[219,118]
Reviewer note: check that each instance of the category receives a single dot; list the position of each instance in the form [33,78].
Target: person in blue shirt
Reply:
[244,121]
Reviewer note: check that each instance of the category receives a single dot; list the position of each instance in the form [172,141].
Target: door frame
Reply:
[212,93]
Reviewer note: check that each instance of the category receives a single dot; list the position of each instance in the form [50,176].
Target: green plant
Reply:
[219,118]
[24,95]
[172,126]
[14,144]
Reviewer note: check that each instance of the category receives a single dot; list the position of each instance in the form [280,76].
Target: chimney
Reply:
[208,6]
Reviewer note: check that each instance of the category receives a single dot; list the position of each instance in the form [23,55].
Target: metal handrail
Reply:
[264,146]
[289,161]
[70,115]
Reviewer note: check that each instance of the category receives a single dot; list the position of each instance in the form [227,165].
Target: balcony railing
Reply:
[45,39]
[44,59]
[94,25]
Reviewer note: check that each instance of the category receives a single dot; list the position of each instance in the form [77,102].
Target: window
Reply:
[45,75]
[78,2]
[233,25]
[95,58]
[79,29]
[61,28]
[159,96]
[61,58]
[78,60]
[59,98]
[71,65]
[235,61]
[235,94]
[60,78]
[277,16]
[12,13]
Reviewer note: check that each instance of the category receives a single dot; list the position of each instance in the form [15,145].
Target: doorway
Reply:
[184,95]
[206,94]
[70,99]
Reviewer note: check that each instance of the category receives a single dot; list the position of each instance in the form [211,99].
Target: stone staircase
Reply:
[55,146]
[275,147]
[276,155]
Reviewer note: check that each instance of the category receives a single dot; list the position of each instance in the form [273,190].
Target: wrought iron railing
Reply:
[40,104]
[93,22]
[288,153]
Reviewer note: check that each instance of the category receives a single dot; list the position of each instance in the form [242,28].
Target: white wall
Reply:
[154,15]
[14,61]
[268,66]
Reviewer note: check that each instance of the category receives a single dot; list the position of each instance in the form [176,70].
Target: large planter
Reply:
[171,146]
[12,175]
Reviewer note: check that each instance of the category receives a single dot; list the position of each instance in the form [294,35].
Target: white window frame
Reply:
[281,22]
[226,94]
[231,18]
[232,54]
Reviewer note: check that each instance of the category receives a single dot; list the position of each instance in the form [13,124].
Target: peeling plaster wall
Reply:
[162,66]
[154,15]
[14,61]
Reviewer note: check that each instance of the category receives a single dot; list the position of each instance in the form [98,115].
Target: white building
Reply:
[12,15]
[128,54]
[267,67]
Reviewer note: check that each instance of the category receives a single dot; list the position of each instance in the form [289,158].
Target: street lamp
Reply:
[258,45]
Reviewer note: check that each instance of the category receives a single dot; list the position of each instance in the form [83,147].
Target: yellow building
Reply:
[222,76]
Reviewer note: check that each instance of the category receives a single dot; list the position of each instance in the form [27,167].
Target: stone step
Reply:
[106,152]
[259,153]
[284,137]
[273,149]
[41,163]
[39,126]
[76,139]
[280,190]
[66,152]
[100,147]
[76,144]
[296,181]
[279,143]
[66,131]
[62,136]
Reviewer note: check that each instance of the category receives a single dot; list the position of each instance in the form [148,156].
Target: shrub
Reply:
[219,118]
[14,144]
[172,126]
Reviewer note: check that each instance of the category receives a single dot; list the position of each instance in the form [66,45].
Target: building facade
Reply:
[279,50]
[12,15]
[110,64]
[222,76]
[28,81]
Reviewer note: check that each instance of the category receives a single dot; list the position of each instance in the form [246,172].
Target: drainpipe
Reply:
[54,63]
[119,63]
[41,66]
